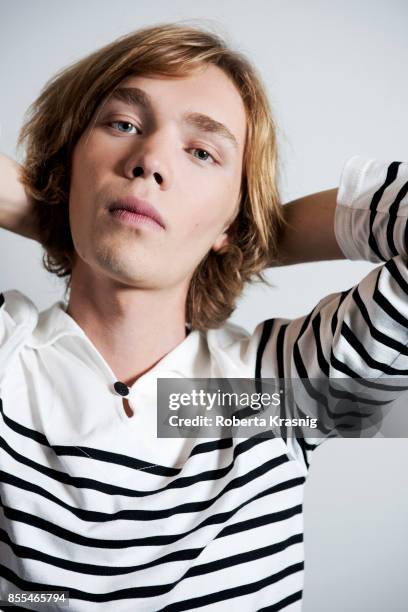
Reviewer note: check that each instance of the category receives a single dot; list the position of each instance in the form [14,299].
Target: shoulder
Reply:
[226,335]
[18,317]
[234,348]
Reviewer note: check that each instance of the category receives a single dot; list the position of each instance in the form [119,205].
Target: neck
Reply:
[131,328]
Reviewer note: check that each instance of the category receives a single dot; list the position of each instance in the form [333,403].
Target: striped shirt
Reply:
[93,503]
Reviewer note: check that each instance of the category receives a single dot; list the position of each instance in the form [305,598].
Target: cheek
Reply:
[205,220]
[203,224]
[82,182]
[89,162]
[214,204]
[84,173]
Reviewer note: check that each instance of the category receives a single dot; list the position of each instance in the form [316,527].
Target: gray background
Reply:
[336,72]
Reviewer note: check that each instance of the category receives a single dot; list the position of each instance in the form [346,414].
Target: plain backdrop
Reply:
[336,74]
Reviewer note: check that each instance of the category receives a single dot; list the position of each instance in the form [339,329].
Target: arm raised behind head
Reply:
[309,231]
[16,207]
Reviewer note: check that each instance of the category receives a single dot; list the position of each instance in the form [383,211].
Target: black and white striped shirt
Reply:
[94,504]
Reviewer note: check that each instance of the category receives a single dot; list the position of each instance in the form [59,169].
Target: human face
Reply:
[188,168]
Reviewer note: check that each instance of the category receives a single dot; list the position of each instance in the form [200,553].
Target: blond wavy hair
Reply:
[58,117]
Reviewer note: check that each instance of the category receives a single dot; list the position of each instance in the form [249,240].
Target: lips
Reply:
[137,206]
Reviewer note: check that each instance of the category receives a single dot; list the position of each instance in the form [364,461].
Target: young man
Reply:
[150,181]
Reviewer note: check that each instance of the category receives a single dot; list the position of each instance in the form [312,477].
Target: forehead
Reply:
[208,91]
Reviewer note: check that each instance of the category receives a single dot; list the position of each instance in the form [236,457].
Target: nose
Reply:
[139,171]
[150,161]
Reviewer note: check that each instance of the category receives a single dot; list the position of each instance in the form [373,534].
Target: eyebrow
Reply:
[137,97]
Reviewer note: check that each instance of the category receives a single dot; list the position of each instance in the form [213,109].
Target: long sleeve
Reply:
[372,209]
[360,334]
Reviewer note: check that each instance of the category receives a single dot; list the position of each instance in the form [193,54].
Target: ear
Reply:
[221,240]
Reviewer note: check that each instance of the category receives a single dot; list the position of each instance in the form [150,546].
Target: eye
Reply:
[202,155]
[124,126]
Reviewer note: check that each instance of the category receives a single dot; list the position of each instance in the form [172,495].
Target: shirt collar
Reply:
[188,359]
[54,323]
